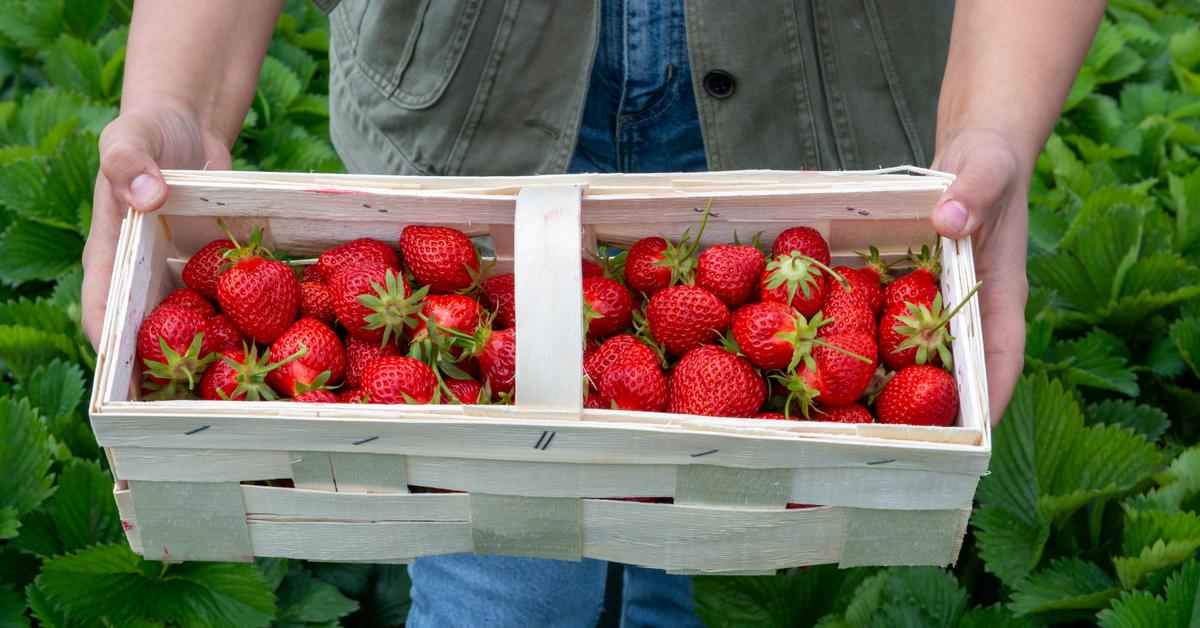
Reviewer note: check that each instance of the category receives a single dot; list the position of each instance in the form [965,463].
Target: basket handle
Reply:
[549,299]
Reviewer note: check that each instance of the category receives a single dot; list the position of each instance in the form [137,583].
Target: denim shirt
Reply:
[443,87]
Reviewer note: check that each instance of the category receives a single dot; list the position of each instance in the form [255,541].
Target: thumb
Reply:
[128,160]
[984,180]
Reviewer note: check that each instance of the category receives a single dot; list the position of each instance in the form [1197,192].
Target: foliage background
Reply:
[1089,514]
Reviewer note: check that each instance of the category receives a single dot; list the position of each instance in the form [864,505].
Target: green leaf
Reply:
[74,64]
[55,389]
[31,26]
[24,458]
[1142,419]
[1154,541]
[1185,196]
[797,597]
[1089,361]
[995,617]
[303,598]
[905,597]
[85,17]
[9,524]
[110,583]
[81,513]
[1136,610]
[47,108]
[273,570]
[1163,358]
[1070,585]
[31,252]
[40,314]
[12,609]
[23,348]
[1186,333]
[351,578]
[278,86]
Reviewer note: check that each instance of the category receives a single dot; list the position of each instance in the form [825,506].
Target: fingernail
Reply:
[144,189]
[953,215]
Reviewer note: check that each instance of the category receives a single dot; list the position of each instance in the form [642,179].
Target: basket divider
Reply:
[549,299]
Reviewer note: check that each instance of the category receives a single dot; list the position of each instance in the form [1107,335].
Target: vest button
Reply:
[719,84]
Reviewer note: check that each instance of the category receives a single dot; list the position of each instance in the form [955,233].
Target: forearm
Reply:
[1010,66]
[203,56]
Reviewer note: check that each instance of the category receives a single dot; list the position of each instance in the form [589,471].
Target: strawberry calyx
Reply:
[799,273]
[165,378]
[799,392]
[875,267]
[318,383]
[681,258]
[929,333]
[251,374]
[927,260]
[641,330]
[392,310]
[252,248]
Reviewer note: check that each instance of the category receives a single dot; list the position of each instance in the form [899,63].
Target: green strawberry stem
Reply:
[253,247]
[392,310]
[928,332]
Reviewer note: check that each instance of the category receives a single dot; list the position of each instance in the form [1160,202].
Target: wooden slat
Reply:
[369,473]
[270,503]
[199,465]
[191,521]
[128,518]
[335,541]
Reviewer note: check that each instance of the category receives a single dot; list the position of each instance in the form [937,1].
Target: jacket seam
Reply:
[843,140]
[458,152]
[893,81]
[800,88]
[708,126]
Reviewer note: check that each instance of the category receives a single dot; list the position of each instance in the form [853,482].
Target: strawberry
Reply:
[319,395]
[260,294]
[353,253]
[448,322]
[596,401]
[608,306]
[849,310]
[597,362]
[644,270]
[804,241]
[399,379]
[203,269]
[592,269]
[172,345]
[223,335]
[714,382]
[918,287]
[315,302]
[836,372]
[634,381]
[352,395]
[192,300]
[795,280]
[497,353]
[323,362]
[847,413]
[361,352]
[730,272]
[874,273]
[462,391]
[241,376]
[918,334]
[775,416]
[919,395]
[313,274]
[499,296]
[374,302]
[772,335]
[442,258]
[682,318]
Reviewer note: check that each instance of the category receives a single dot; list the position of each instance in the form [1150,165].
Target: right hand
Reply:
[133,147]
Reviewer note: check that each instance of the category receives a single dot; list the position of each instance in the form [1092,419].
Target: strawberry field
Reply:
[1089,514]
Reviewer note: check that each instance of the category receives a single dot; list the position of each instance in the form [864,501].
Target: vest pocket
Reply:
[408,49]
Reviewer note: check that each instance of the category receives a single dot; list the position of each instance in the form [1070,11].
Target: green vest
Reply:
[468,87]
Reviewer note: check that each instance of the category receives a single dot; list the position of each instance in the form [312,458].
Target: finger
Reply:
[984,180]
[1002,309]
[98,256]
[128,160]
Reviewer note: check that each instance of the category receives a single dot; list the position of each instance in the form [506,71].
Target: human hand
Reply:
[158,134]
[989,201]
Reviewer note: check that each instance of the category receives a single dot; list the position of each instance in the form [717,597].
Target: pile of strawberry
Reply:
[720,332]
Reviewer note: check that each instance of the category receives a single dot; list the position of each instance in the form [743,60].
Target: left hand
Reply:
[989,201]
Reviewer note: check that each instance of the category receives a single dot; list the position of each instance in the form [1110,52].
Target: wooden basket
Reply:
[535,478]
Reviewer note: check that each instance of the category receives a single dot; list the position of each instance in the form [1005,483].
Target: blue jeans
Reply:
[640,116]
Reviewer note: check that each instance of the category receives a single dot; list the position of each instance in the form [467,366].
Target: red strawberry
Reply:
[240,376]
[643,271]
[399,379]
[497,353]
[609,306]
[714,382]
[730,272]
[356,252]
[595,401]
[322,363]
[776,416]
[499,297]
[849,311]
[634,381]
[260,294]
[442,258]
[836,372]
[223,335]
[919,395]
[918,334]
[464,391]
[772,335]
[374,302]
[848,413]
[803,240]
[361,352]
[592,269]
[455,319]
[312,273]
[918,287]
[353,395]
[795,280]
[875,272]
[682,318]
[597,362]
[172,345]
[317,396]
[315,302]
[192,300]
[202,269]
